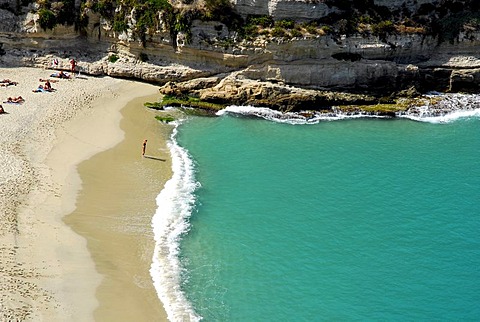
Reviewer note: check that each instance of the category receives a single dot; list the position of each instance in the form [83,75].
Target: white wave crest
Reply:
[450,108]
[306,117]
[267,114]
[175,203]
[447,118]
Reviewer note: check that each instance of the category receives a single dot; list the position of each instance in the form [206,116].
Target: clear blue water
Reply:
[364,219]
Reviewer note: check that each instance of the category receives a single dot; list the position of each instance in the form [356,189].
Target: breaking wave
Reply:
[175,204]
[448,108]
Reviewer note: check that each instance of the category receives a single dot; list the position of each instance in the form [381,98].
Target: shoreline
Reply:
[47,271]
[114,210]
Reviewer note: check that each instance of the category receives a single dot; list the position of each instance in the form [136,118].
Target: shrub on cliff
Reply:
[250,31]
[262,21]
[223,11]
[449,27]
[113,58]
[311,28]
[64,11]
[105,8]
[255,26]
[285,24]
[147,17]
[119,24]
[295,33]
[278,32]
[47,19]
[383,28]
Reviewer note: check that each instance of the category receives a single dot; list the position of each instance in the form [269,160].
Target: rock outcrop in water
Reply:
[284,72]
[235,89]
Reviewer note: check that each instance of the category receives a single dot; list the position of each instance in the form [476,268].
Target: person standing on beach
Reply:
[73,64]
[144,148]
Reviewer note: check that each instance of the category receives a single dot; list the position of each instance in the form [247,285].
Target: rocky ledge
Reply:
[294,75]
[280,101]
[234,89]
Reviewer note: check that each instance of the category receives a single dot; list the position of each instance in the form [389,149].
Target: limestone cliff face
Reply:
[359,63]
[307,10]
[412,5]
[322,62]
[284,9]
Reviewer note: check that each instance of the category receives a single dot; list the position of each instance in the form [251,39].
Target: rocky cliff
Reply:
[357,62]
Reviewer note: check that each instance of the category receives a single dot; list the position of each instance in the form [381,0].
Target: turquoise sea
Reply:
[349,220]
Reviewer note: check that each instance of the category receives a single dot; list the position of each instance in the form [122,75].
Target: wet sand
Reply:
[114,211]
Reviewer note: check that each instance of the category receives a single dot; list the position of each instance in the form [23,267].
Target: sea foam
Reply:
[450,108]
[175,204]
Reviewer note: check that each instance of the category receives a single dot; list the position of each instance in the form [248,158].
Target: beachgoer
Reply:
[60,74]
[47,86]
[50,80]
[39,89]
[63,75]
[2,111]
[18,100]
[73,64]
[144,147]
[54,63]
[7,82]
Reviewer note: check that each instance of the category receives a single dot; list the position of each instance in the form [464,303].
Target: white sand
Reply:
[45,269]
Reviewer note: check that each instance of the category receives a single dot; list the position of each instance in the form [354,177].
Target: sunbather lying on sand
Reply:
[42,89]
[39,89]
[60,74]
[17,100]
[7,82]
[49,80]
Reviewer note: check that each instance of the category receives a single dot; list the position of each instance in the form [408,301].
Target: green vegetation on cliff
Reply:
[145,18]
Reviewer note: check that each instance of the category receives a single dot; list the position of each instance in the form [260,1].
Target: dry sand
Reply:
[47,272]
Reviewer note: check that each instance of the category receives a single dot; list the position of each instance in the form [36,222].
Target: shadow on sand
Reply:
[153,158]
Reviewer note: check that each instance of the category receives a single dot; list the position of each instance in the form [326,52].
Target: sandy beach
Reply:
[56,265]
